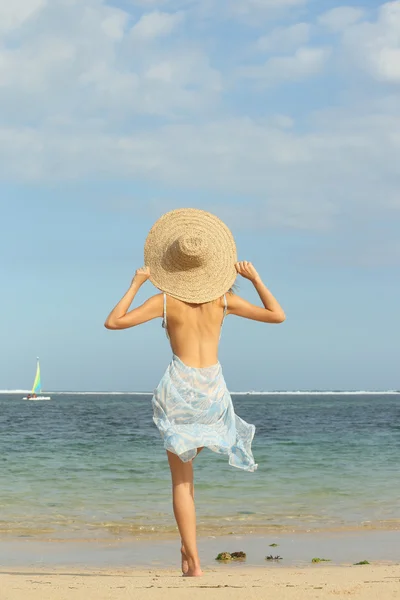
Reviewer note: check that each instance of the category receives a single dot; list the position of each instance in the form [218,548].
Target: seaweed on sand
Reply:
[226,556]
[318,560]
[238,555]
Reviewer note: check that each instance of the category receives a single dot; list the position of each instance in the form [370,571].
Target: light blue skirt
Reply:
[193,408]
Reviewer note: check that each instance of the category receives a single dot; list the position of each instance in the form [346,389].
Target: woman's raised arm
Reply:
[272,311]
[120,318]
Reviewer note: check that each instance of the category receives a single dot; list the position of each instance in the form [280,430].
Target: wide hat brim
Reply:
[201,283]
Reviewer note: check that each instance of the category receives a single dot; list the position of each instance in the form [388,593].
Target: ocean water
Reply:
[92,466]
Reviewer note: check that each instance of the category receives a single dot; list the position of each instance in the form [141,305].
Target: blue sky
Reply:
[280,116]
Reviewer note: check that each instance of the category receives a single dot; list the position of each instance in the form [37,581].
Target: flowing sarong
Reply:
[192,407]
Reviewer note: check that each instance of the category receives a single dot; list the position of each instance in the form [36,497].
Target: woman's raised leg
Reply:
[184,510]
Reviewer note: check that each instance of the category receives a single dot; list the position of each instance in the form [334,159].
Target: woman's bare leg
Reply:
[184,511]
[185,565]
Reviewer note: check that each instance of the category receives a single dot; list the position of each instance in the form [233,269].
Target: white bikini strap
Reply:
[224,315]
[165,310]
[225,305]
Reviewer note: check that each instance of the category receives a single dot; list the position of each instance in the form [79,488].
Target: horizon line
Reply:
[234,393]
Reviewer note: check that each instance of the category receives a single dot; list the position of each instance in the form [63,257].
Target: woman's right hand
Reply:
[246,270]
[141,275]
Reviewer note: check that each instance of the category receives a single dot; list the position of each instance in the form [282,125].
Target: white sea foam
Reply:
[102,393]
[250,393]
[319,393]
[80,393]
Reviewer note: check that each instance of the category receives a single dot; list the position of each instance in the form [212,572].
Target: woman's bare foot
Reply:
[195,573]
[185,564]
[194,570]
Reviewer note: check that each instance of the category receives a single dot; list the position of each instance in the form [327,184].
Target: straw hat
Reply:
[192,255]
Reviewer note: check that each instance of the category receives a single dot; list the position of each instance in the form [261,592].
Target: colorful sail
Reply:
[37,386]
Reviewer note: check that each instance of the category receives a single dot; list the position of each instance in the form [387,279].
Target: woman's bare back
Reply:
[194,330]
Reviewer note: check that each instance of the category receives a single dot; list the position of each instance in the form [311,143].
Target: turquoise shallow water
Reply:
[90,466]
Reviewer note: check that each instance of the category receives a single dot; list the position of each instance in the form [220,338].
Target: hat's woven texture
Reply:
[192,255]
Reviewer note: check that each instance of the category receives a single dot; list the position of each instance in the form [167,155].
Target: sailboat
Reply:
[36,393]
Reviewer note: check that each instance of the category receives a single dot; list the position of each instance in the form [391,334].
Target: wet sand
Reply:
[296,549]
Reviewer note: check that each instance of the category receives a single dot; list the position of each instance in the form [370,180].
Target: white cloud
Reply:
[248,6]
[14,13]
[189,69]
[75,87]
[243,7]
[375,47]
[339,18]
[258,12]
[285,39]
[114,24]
[156,24]
[148,3]
[304,63]
[79,60]
[345,164]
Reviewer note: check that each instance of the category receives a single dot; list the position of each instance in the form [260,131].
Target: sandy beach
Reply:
[41,570]
[281,583]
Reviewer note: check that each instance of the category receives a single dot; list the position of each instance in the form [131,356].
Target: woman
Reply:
[190,255]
